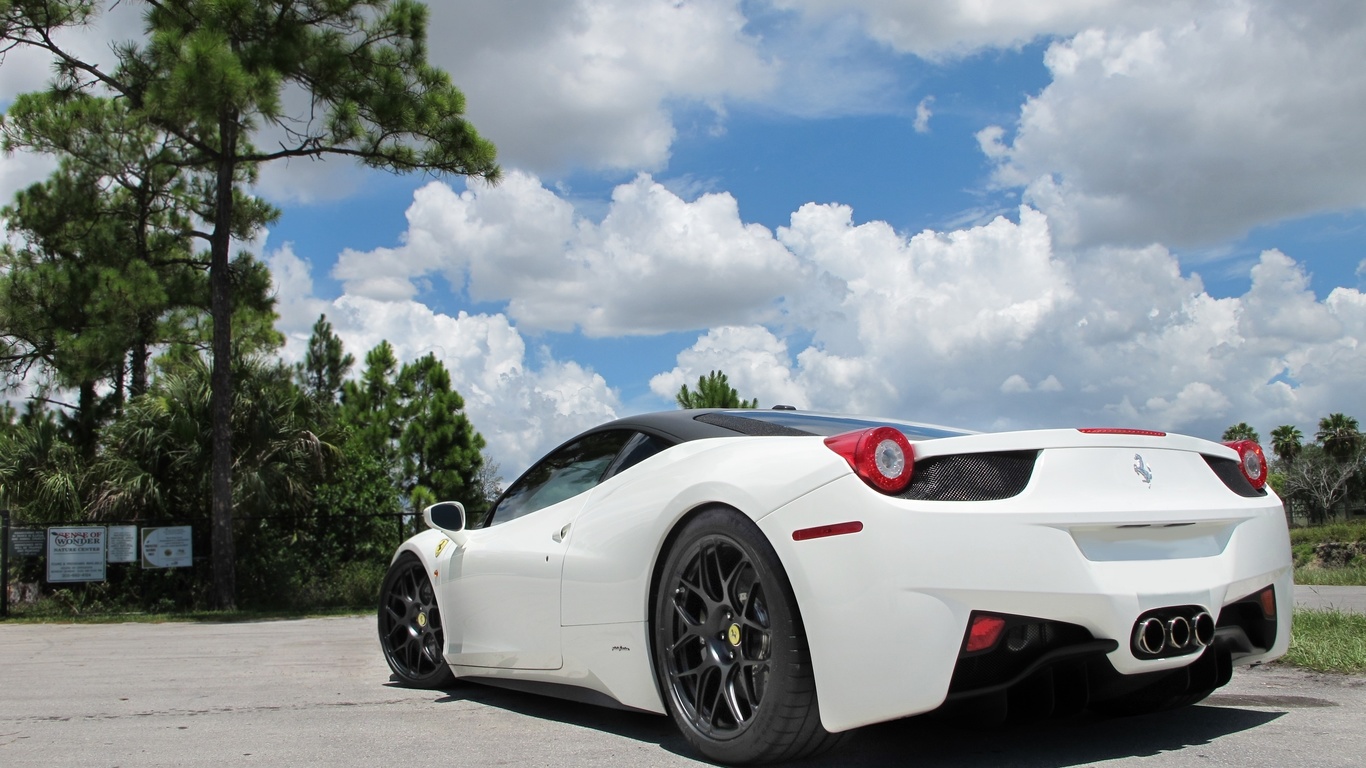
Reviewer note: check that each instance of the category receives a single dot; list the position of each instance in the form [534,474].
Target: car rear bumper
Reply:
[886,609]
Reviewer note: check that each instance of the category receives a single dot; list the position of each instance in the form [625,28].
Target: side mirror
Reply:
[447,517]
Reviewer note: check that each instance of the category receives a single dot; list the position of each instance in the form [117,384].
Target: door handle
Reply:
[563,532]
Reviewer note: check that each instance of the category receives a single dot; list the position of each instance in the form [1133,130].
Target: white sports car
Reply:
[772,579]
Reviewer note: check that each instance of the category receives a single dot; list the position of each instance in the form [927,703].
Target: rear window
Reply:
[756,422]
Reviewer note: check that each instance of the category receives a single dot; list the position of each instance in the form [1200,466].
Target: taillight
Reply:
[1251,461]
[882,456]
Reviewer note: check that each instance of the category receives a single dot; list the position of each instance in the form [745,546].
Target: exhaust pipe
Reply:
[1150,637]
[1178,633]
[1173,632]
[1203,629]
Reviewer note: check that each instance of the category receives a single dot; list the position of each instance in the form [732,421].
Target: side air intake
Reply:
[971,476]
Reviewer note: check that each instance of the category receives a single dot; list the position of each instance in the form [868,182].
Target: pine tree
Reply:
[440,450]
[325,366]
[213,72]
[713,391]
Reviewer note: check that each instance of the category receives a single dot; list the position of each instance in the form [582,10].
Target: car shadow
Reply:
[1081,740]
[638,726]
[929,739]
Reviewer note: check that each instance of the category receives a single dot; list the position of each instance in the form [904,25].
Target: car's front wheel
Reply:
[729,647]
[410,626]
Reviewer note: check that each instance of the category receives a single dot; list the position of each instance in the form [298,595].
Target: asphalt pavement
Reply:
[316,691]
[1346,599]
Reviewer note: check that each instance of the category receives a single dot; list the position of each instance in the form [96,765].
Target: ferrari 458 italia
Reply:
[773,579]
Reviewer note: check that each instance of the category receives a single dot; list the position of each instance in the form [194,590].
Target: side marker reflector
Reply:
[984,632]
[822,531]
[1268,601]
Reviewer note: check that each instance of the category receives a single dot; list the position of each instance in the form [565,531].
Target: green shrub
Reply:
[349,585]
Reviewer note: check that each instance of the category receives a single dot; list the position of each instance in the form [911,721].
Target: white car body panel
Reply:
[504,584]
[564,595]
[610,562]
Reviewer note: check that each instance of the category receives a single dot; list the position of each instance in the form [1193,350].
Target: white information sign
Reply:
[167,547]
[123,544]
[75,554]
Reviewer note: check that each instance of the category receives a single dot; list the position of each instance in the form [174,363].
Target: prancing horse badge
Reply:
[1142,469]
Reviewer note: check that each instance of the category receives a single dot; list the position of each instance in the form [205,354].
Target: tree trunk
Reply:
[85,421]
[137,358]
[220,380]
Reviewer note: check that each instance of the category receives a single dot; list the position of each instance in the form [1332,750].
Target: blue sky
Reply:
[989,214]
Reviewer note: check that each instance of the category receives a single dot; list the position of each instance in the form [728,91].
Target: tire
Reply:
[410,626]
[730,652]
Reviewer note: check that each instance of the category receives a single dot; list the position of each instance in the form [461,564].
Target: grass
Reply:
[1328,641]
[1352,576]
[1315,534]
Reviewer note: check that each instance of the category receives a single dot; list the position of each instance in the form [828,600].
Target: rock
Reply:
[1337,554]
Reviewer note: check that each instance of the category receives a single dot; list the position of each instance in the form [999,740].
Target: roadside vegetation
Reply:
[1328,641]
[145,346]
[1330,555]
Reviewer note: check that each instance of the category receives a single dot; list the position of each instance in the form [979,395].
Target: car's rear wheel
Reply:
[729,647]
[410,626]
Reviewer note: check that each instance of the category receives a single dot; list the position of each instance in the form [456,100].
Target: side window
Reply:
[566,473]
[639,448]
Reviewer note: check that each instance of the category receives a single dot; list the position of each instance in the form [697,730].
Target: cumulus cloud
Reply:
[994,327]
[990,326]
[756,363]
[590,83]
[1194,128]
[522,401]
[655,263]
[557,86]
[944,30]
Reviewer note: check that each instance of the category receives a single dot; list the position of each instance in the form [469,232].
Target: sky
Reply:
[982,213]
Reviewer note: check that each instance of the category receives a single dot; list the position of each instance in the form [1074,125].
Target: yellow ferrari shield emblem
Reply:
[422,619]
[440,545]
[733,634]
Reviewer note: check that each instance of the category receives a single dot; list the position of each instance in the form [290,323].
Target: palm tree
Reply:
[1340,435]
[1241,431]
[40,471]
[156,462]
[1287,441]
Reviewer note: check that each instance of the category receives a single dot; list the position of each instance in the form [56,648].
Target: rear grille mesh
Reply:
[1229,471]
[971,476]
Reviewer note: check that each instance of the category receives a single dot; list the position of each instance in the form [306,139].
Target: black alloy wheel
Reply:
[410,626]
[729,648]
